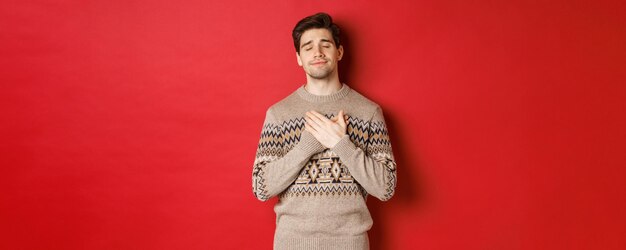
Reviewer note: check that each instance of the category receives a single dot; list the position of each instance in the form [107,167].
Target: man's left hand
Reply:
[327,131]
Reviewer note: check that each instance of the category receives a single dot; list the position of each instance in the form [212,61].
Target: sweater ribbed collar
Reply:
[343,92]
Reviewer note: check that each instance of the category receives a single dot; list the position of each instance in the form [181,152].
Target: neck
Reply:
[323,86]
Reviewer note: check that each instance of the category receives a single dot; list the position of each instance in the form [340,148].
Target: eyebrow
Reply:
[309,42]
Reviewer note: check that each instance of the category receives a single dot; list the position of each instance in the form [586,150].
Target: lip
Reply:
[318,63]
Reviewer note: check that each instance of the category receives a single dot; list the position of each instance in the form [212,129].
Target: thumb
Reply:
[342,121]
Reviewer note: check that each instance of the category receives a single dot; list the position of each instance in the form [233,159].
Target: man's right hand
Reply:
[327,131]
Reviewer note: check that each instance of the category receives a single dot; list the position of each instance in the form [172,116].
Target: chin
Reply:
[320,75]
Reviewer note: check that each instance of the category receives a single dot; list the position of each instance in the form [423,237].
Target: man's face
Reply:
[318,55]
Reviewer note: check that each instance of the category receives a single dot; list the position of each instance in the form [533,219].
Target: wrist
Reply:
[345,147]
[309,143]
[336,139]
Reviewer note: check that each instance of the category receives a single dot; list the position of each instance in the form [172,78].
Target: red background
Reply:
[133,124]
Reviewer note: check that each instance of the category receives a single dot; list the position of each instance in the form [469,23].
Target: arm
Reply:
[274,169]
[374,169]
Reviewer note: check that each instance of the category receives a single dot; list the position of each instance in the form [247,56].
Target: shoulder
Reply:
[360,99]
[366,107]
[283,106]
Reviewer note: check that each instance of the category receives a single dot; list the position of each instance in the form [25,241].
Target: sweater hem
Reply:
[359,242]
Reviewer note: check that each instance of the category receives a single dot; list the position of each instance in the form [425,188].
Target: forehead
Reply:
[316,35]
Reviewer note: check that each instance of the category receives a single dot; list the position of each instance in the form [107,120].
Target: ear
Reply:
[298,58]
[339,52]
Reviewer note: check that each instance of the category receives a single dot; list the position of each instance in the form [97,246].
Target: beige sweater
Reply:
[322,191]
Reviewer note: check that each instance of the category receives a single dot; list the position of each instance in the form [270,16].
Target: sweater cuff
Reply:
[344,148]
[309,144]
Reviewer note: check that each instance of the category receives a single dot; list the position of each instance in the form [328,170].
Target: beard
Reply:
[322,73]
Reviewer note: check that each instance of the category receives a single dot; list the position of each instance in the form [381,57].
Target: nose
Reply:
[318,52]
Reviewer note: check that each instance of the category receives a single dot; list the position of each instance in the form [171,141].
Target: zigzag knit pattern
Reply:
[324,174]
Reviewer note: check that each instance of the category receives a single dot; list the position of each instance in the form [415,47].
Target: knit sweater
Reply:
[322,191]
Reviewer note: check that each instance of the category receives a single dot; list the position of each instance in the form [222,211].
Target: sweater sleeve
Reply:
[374,169]
[275,169]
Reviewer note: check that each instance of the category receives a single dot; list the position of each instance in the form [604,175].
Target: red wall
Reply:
[133,124]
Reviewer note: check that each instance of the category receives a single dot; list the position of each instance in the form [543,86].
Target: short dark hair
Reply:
[318,21]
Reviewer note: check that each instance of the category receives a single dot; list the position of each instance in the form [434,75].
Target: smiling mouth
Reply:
[318,63]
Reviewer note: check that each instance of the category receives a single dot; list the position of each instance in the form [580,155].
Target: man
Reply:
[323,149]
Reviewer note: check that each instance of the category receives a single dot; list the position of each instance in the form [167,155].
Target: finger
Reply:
[320,116]
[319,130]
[314,120]
[308,127]
[313,125]
[342,122]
